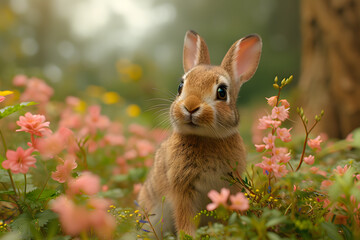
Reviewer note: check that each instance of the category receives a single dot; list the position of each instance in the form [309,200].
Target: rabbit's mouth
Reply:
[191,124]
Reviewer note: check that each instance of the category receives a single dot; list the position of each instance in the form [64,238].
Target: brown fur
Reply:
[205,140]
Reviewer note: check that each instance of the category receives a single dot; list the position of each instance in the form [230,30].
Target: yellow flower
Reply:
[111,97]
[133,110]
[81,106]
[5,93]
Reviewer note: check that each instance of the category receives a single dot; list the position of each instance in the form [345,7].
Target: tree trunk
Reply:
[330,73]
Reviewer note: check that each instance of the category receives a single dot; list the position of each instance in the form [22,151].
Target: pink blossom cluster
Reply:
[275,158]
[77,216]
[238,202]
[35,90]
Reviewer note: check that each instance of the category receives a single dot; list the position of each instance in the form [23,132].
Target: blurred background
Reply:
[127,52]
[135,47]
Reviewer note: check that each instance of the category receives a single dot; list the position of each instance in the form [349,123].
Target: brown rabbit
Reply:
[205,135]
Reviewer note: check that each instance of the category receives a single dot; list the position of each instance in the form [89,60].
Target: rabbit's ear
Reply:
[195,51]
[242,59]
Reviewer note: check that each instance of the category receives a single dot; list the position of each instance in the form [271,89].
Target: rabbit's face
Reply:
[206,101]
[205,104]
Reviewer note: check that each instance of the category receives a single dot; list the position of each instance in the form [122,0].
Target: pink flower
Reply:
[144,148]
[284,134]
[239,202]
[103,223]
[267,164]
[37,90]
[309,160]
[272,101]
[279,170]
[325,184]
[260,148]
[350,137]
[315,143]
[131,154]
[74,219]
[285,103]
[113,140]
[52,145]
[267,122]
[20,80]
[218,198]
[34,124]
[2,98]
[269,141]
[138,130]
[315,170]
[137,187]
[341,171]
[19,161]
[94,120]
[280,113]
[87,183]
[63,172]
[281,155]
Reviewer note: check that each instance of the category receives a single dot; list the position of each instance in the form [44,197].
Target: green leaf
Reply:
[347,232]
[7,192]
[45,216]
[6,111]
[22,224]
[275,221]
[46,194]
[273,236]
[331,231]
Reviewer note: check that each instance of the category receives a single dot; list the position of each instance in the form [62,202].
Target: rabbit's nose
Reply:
[192,104]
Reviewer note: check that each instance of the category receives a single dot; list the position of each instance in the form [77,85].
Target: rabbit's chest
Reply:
[195,171]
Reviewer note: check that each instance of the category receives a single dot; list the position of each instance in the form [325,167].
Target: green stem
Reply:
[25,186]
[42,190]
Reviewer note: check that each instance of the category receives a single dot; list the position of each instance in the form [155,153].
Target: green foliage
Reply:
[6,111]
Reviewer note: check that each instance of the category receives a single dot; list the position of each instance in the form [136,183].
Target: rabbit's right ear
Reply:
[195,51]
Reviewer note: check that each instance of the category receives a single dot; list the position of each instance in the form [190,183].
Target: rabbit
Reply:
[205,139]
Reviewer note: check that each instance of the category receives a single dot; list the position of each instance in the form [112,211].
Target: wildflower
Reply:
[20,80]
[87,183]
[131,154]
[218,198]
[315,170]
[315,143]
[94,120]
[73,220]
[267,164]
[281,155]
[260,147]
[113,140]
[269,141]
[33,124]
[138,130]
[53,144]
[280,113]
[284,103]
[325,184]
[144,148]
[133,110]
[239,202]
[350,137]
[101,221]
[284,134]
[63,172]
[267,122]
[2,98]
[272,101]
[279,170]
[37,90]
[341,171]
[309,160]
[19,161]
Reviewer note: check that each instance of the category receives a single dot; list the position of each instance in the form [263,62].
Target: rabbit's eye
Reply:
[180,87]
[221,93]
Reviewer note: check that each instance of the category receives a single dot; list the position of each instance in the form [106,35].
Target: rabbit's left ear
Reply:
[195,51]
[242,59]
